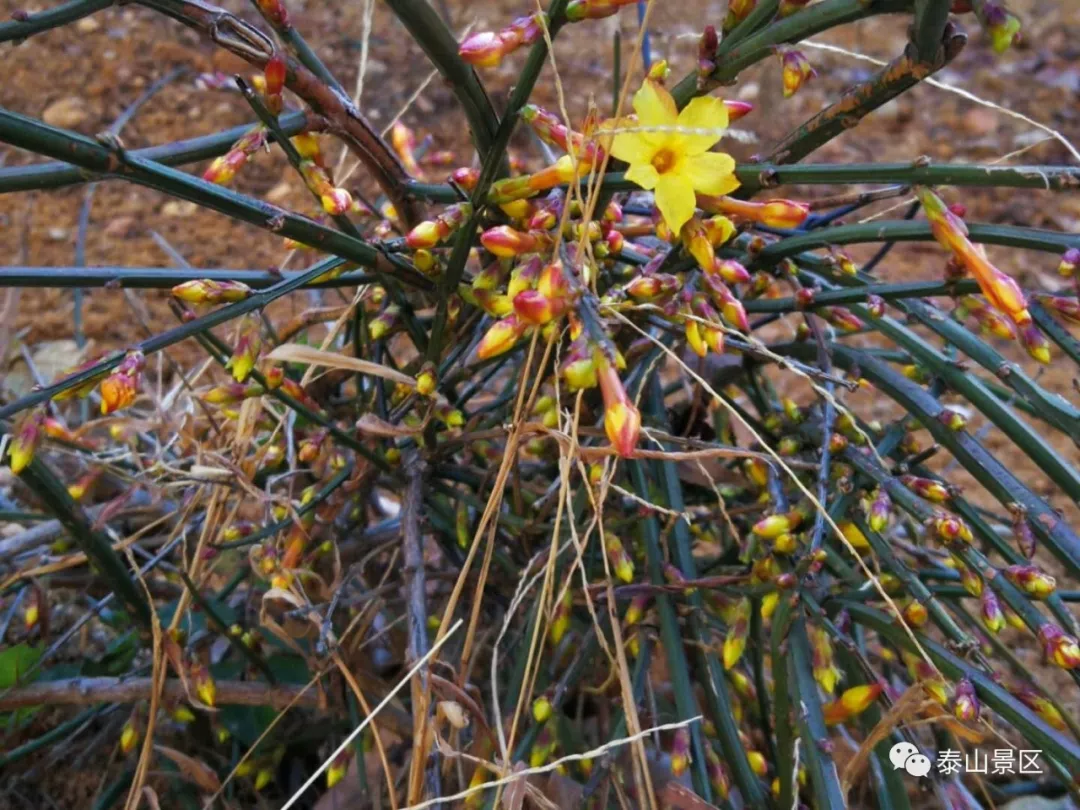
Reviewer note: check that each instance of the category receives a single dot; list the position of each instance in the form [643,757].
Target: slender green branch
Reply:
[62,14]
[178,153]
[160,278]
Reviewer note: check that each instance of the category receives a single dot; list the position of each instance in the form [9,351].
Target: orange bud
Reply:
[119,389]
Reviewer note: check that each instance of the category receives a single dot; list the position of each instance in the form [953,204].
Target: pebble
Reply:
[67,113]
[179,208]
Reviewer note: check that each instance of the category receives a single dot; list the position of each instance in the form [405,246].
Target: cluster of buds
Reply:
[796,69]
[119,389]
[224,168]
[207,291]
[1000,290]
[489,48]
[552,131]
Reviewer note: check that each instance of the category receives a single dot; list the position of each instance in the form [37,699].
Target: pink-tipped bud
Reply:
[1069,260]
[737,109]
[1031,580]
[875,306]
[1059,647]
[965,703]
[622,421]
[680,751]
[1002,27]
[501,337]
[26,438]
[205,291]
[927,488]
[487,48]
[878,509]
[949,529]
[653,287]
[578,10]
[993,617]
[1067,307]
[731,271]
[1036,343]
[505,242]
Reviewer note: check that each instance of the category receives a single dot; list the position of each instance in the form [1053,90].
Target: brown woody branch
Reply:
[343,118]
[89,691]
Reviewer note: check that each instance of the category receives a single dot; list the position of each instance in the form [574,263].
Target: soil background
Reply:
[85,75]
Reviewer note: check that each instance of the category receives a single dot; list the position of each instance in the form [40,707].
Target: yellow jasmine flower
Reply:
[675,163]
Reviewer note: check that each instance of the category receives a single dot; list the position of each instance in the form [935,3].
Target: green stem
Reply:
[430,33]
[95,544]
[58,175]
[172,336]
[159,278]
[15,30]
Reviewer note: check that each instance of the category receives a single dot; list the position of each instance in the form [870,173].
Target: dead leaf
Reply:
[151,798]
[292,353]
[513,798]
[372,425]
[199,773]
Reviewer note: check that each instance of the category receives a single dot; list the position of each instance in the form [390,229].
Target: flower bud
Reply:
[501,337]
[578,10]
[852,702]
[1031,580]
[738,10]
[797,69]
[927,488]
[205,291]
[1067,307]
[680,751]
[842,318]
[621,563]
[431,233]
[738,631]
[427,381]
[505,242]
[245,353]
[119,389]
[560,620]
[26,437]
[129,736]
[1002,26]
[875,306]
[1069,260]
[950,529]
[878,509]
[731,271]
[622,421]
[915,614]
[953,420]
[1036,343]
[649,288]
[1059,647]
[772,527]
[993,618]
[337,769]
[487,49]
[965,703]
[275,11]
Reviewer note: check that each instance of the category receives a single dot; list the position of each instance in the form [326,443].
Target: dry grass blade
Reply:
[305,355]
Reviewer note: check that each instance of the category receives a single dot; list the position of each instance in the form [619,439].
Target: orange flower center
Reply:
[664,160]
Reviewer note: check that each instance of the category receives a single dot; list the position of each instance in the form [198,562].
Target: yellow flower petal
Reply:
[703,112]
[633,147]
[712,173]
[654,106]
[643,174]
[675,199]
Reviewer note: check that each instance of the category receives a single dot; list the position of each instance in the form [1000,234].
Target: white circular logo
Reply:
[906,755]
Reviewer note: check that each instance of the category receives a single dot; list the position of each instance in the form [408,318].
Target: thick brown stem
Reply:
[343,118]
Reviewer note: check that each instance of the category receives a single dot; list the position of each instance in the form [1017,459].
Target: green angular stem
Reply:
[430,33]
[62,14]
[58,175]
[173,336]
[160,278]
